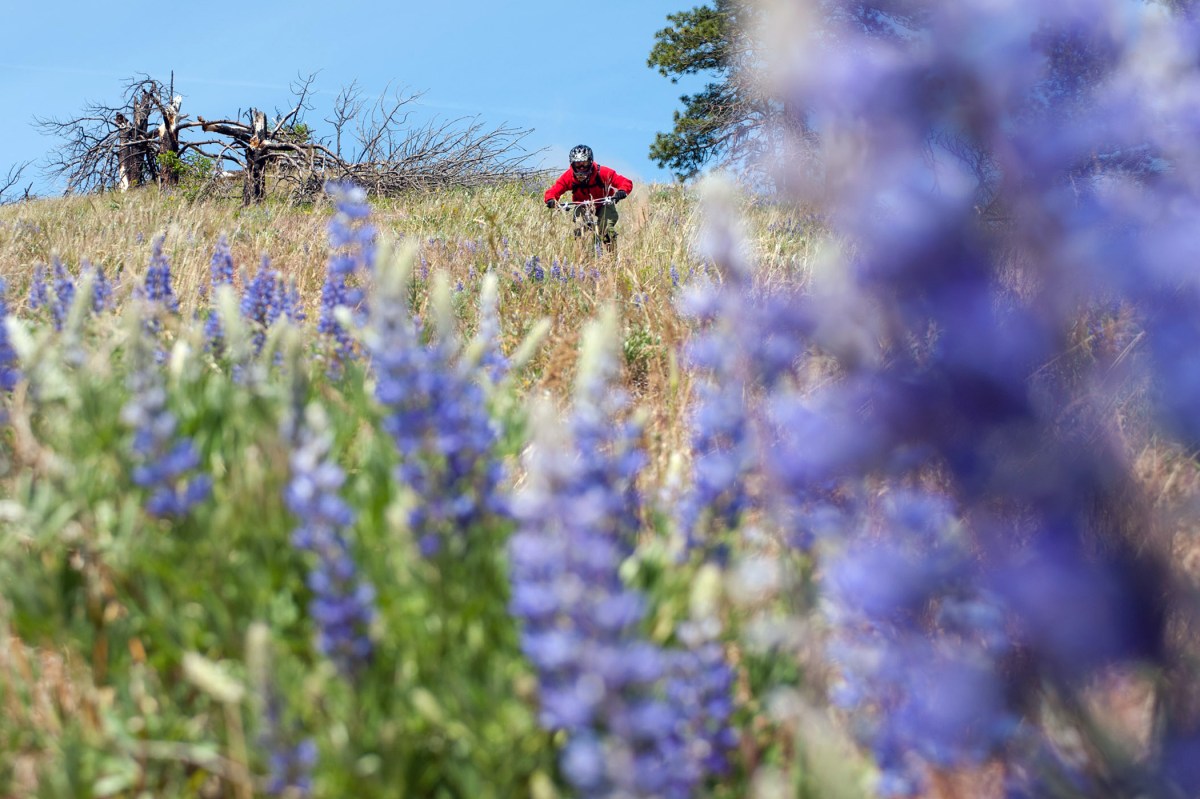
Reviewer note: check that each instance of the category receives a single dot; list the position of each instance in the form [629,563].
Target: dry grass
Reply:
[462,233]
[41,692]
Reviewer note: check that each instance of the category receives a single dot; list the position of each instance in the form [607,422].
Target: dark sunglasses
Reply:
[581,169]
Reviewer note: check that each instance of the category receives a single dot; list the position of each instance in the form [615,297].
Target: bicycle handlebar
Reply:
[600,201]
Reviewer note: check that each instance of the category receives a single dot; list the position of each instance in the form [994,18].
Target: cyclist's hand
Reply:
[620,195]
[550,203]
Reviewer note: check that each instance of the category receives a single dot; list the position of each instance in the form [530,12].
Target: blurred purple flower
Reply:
[102,288]
[639,721]
[342,606]
[9,371]
[39,292]
[436,413]
[221,272]
[157,286]
[165,463]
[64,294]
[995,172]
[352,252]
[264,301]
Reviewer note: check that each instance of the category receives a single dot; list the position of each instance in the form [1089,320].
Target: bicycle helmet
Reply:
[581,162]
[581,157]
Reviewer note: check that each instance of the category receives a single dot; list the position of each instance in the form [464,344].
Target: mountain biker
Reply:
[587,180]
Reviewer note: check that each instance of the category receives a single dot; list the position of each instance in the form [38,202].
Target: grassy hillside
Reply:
[114,590]
[463,234]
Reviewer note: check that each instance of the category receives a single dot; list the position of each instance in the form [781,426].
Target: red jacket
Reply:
[604,182]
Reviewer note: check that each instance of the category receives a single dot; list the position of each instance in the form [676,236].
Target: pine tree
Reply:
[728,120]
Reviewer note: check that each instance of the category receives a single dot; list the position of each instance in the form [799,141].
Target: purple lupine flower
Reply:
[221,271]
[724,457]
[263,302]
[291,756]
[916,682]
[102,288]
[64,294]
[436,413]
[157,286]
[288,301]
[334,294]
[352,245]
[351,234]
[993,170]
[342,606]
[533,268]
[743,346]
[165,463]
[291,766]
[492,359]
[9,373]
[220,267]
[601,683]
[700,679]
[39,291]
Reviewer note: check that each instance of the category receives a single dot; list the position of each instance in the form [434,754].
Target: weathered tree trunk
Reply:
[129,160]
[135,161]
[144,153]
[168,141]
[254,190]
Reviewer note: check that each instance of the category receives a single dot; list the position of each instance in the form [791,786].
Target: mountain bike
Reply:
[587,224]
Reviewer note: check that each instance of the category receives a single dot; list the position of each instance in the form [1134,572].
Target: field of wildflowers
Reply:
[286,542]
[882,484]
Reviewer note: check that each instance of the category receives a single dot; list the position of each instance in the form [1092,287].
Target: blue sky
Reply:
[572,73]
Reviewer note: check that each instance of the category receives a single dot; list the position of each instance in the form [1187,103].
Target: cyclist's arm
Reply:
[618,182]
[560,186]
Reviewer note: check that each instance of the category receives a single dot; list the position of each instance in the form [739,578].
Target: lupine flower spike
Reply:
[262,303]
[157,286]
[352,252]
[436,412]
[601,682]
[9,372]
[343,603]
[166,463]
[221,271]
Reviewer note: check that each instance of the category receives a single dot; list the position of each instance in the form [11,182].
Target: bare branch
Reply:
[12,179]
[300,89]
[346,108]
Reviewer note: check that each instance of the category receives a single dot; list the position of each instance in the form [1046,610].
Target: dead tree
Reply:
[111,146]
[372,145]
[260,147]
